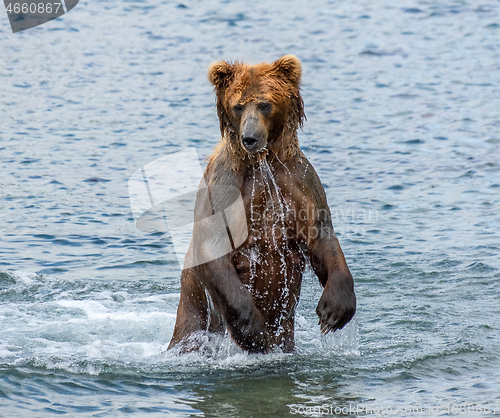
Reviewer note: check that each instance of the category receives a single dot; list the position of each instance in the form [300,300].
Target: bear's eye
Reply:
[265,107]
[238,109]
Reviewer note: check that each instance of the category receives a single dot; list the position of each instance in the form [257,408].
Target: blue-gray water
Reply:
[402,100]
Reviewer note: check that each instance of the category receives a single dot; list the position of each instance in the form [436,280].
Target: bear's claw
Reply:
[335,312]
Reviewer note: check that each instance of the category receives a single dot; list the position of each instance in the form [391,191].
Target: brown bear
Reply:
[252,290]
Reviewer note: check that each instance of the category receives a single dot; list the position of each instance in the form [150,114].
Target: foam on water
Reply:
[92,330]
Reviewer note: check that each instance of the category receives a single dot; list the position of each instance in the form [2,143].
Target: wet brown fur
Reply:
[257,307]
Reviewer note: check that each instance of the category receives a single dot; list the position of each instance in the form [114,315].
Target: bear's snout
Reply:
[253,132]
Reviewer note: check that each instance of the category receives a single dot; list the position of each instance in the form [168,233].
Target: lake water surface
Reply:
[402,100]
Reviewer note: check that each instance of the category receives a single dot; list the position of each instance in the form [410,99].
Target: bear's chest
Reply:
[272,259]
[276,208]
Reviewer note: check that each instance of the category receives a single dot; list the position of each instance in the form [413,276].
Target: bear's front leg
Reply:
[244,320]
[337,304]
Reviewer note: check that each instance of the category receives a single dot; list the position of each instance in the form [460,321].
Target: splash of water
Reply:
[274,199]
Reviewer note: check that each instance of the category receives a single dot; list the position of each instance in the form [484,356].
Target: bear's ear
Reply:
[289,67]
[220,74]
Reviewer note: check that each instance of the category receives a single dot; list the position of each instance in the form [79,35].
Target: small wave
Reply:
[99,327]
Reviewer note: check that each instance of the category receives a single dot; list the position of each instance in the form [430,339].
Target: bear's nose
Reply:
[249,142]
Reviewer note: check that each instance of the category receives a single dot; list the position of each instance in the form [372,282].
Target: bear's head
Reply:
[259,106]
